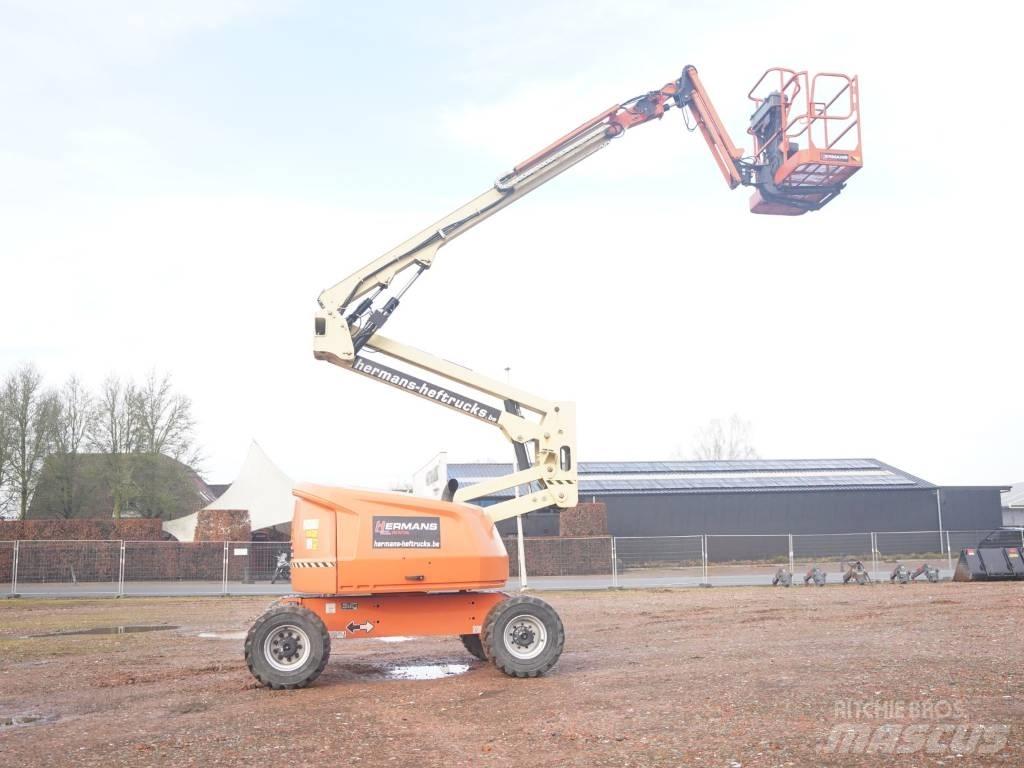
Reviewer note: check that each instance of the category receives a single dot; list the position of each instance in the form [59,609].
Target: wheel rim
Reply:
[286,648]
[525,637]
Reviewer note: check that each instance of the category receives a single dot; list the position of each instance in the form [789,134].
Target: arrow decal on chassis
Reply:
[366,627]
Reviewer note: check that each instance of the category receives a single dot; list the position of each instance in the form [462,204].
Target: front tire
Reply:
[523,636]
[287,647]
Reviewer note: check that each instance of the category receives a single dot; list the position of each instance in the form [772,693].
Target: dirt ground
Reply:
[710,677]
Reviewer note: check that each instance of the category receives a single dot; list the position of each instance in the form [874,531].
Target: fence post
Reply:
[704,558]
[14,569]
[615,564]
[949,552]
[874,555]
[120,573]
[224,571]
[791,554]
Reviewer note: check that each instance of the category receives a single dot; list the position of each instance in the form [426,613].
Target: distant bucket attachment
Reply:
[806,131]
[989,564]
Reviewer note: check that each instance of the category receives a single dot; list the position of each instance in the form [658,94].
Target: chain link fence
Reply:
[915,548]
[830,553]
[254,566]
[655,561]
[68,568]
[563,562]
[740,559]
[173,567]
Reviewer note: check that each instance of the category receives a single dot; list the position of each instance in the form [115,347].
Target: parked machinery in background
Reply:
[782,578]
[900,574]
[815,576]
[989,564]
[856,572]
[930,572]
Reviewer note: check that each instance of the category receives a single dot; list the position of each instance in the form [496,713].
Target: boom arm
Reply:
[419,250]
[350,318]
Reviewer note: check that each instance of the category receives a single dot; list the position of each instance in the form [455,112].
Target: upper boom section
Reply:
[793,171]
[419,250]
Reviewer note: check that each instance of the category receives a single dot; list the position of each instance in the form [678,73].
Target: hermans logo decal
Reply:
[840,156]
[406,532]
[425,389]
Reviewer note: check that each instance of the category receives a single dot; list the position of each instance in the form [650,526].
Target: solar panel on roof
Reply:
[644,477]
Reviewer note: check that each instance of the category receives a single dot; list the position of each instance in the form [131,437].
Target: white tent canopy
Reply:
[261,488]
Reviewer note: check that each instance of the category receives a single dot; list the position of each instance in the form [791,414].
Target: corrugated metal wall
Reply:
[846,511]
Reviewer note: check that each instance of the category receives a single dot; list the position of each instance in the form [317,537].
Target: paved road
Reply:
[629,580]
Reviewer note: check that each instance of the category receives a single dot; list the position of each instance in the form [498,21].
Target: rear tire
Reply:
[287,647]
[523,636]
[473,644]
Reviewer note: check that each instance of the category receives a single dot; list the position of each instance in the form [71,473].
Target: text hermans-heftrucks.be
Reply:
[426,389]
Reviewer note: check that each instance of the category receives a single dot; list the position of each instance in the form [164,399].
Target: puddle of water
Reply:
[223,635]
[125,630]
[426,671]
[394,639]
[404,671]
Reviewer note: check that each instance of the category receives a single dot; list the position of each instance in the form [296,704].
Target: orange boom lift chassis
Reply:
[369,565]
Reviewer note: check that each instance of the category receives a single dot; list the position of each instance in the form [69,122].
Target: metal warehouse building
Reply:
[666,498]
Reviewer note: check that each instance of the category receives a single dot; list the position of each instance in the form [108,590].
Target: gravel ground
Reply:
[709,677]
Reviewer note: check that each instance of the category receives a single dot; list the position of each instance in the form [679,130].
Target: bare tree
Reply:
[117,436]
[163,487]
[165,422]
[724,441]
[75,423]
[31,411]
[6,452]
[117,417]
[147,436]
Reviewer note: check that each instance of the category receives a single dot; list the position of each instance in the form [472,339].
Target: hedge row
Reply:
[587,519]
[223,525]
[554,556]
[82,530]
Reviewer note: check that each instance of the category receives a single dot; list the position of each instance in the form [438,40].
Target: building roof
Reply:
[217,489]
[603,478]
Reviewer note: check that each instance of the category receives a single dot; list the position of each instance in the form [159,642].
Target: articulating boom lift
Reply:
[372,564]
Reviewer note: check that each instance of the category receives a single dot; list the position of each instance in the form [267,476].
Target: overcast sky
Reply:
[179,180]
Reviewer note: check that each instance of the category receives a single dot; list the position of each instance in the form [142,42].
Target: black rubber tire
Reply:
[319,647]
[493,636]
[473,644]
